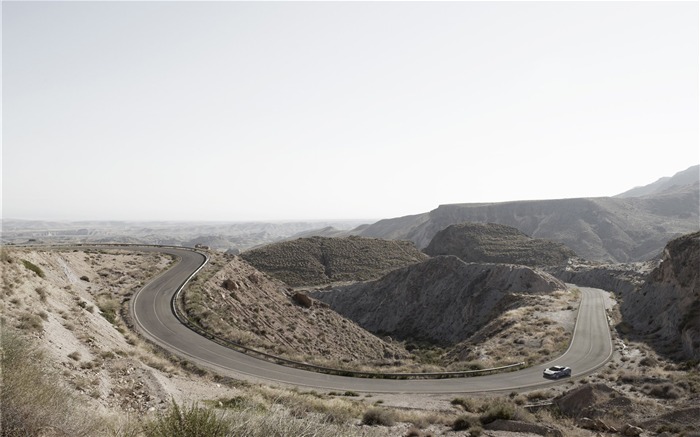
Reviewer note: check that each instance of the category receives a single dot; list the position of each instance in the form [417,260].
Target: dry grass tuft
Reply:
[32,400]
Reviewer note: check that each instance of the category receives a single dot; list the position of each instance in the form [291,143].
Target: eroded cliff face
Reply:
[666,308]
[442,300]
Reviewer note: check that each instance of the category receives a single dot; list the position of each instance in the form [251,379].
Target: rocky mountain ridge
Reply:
[604,229]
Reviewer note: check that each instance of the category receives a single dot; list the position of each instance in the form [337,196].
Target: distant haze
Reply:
[324,110]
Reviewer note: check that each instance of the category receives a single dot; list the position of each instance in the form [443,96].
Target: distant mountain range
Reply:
[633,226]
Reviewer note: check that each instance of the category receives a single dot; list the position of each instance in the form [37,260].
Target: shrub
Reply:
[662,391]
[33,267]
[109,308]
[468,404]
[191,421]
[41,291]
[497,410]
[475,431]
[537,396]
[464,422]
[30,322]
[378,416]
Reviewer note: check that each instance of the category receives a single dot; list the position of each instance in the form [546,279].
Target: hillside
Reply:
[321,260]
[241,304]
[493,243]
[442,300]
[71,366]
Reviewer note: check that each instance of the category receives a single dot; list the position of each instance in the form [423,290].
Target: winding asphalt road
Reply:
[590,348]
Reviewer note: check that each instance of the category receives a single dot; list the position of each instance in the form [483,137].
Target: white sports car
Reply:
[556,372]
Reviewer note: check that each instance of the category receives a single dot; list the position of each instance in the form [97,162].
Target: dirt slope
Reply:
[244,305]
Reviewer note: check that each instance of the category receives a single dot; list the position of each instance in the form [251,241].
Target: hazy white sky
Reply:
[302,110]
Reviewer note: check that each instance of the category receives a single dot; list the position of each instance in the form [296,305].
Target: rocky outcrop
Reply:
[666,308]
[591,401]
[442,300]
[321,260]
[494,243]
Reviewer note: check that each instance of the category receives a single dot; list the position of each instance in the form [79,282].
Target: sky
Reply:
[238,111]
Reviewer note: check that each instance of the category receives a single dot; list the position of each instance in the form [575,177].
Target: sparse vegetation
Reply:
[30,322]
[188,421]
[255,411]
[497,410]
[109,308]
[378,416]
[34,268]
[32,400]
[320,260]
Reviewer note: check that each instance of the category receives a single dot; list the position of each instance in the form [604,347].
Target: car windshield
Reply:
[556,368]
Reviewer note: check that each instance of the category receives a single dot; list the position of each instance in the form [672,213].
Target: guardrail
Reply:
[183,319]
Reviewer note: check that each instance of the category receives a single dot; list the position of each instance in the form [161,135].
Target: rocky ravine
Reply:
[442,300]
[494,243]
[660,300]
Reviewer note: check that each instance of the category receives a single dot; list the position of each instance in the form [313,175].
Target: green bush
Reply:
[33,267]
[191,421]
